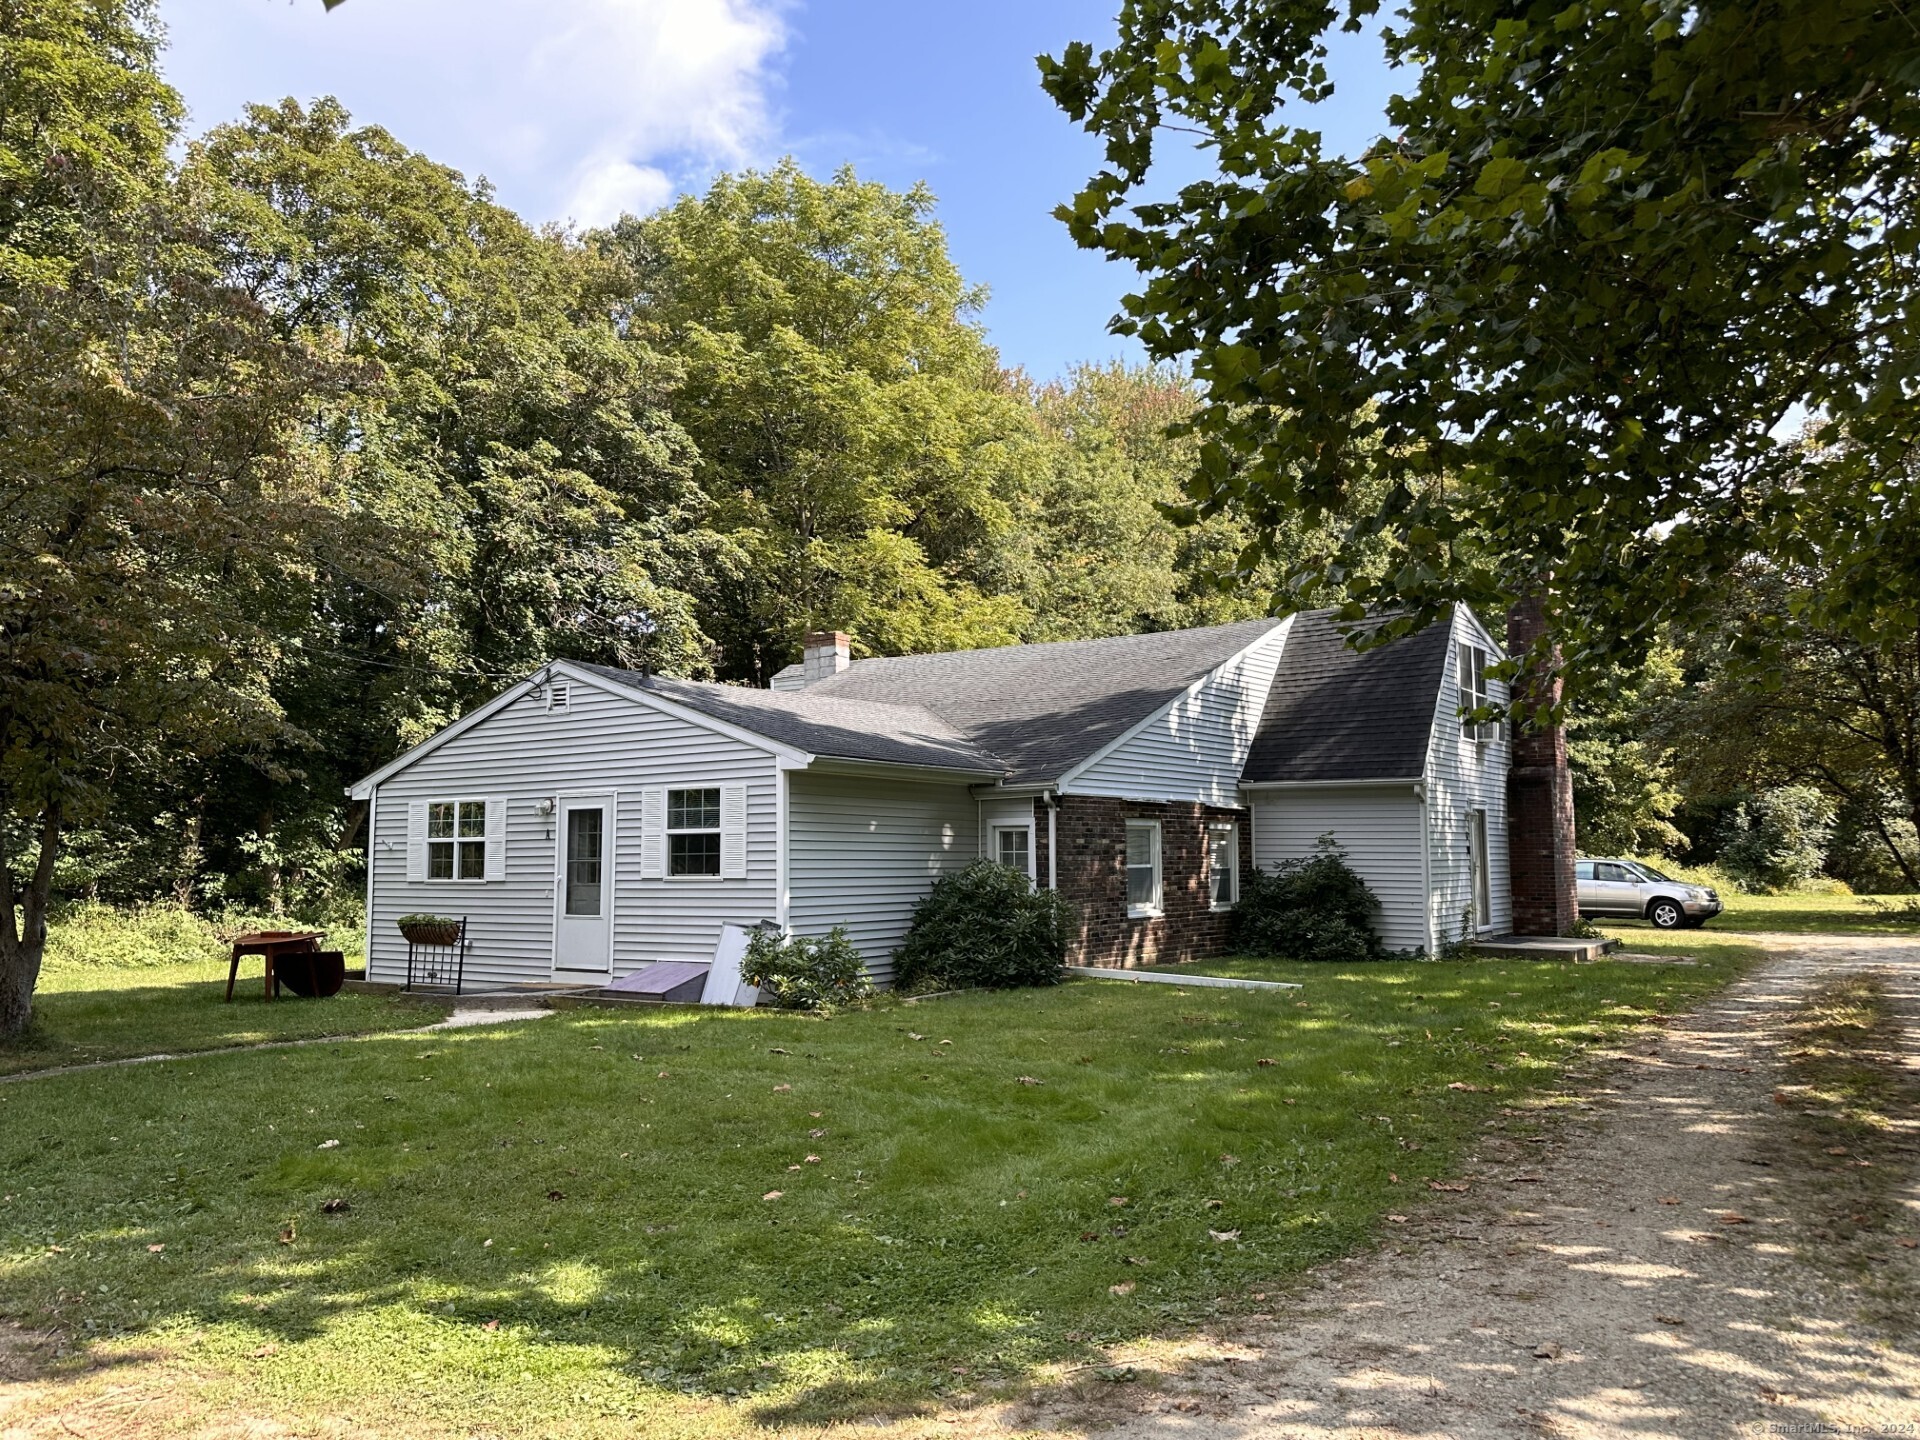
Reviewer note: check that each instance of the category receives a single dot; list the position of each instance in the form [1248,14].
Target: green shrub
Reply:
[1777,840]
[987,927]
[805,972]
[135,937]
[1313,908]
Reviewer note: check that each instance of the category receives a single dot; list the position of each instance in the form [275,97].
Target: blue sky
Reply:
[577,109]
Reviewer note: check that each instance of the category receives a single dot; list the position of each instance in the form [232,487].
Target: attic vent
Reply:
[559,699]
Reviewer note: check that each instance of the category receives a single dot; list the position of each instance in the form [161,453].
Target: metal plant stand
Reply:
[438,964]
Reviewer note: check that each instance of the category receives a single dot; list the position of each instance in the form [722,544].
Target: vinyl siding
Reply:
[1379,828]
[1464,775]
[524,755]
[1196,748]
[863,852]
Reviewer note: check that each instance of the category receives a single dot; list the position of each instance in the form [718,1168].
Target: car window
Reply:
[1615,872]
[1583,870]
[1653,874]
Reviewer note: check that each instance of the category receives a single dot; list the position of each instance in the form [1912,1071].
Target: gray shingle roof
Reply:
[836,726]
[1044,708]
[1339,714]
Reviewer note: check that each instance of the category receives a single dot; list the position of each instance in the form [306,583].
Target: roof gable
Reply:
[1336,714]
[1043,709]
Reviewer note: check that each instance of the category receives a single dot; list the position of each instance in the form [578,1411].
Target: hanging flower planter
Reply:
[430,929]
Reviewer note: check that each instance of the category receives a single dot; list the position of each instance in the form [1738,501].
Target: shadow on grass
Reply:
[817,1219]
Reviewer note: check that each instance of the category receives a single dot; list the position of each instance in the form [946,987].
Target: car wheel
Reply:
[1666,914]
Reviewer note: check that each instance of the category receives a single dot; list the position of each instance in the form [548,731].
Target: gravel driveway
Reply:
[1606,1293]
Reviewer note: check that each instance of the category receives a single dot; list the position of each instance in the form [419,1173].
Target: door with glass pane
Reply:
[583,929]
[1482,870]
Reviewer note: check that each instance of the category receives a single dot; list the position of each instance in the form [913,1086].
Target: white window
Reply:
[459,840]
[1013,847]
[1223,864]
[1474,694]
[456,840]
[693,832]
[1143,868]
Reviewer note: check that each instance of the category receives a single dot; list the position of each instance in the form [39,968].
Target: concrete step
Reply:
[1545,947]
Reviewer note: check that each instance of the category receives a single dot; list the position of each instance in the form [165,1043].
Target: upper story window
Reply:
[456,840]
[1223,865]
[693,832]
[1143,868]
[1475,693]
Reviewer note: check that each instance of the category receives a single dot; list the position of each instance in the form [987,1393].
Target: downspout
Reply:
[1053,841]
[1426,866]
[782,880]
[373,815]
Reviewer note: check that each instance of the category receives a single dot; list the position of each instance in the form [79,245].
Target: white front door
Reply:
[1482,888]
[583,927]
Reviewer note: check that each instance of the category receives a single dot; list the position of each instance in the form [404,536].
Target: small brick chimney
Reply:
[828,652]
[1539,795]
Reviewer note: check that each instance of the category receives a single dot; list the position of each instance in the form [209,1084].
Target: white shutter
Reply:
[733,832]
[496,838]
[653,834]
[416,840]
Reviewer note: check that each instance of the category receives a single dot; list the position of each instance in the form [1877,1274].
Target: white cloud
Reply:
[575,109]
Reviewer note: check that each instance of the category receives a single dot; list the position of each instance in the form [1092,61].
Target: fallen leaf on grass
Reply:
[1780,1099]
[1214,1204]
[778,1050]
[1548,1351]
[155,1249]
[773,1195]
[661,1076]
[266,1350]
[813,1159]
[1392,1179]
[1229,1159]
[491,1325]
[793,1167]
[1734,1218]
[1220,1237]
[556,1194]
[1836,1150]
[287,1235]
[1116,1200]
[1087,1237]
[1463,1085]
[1904,1243]
[1455,1187]
[1029,1080]
[781,1089]
[328,1145]
[335,1206]
[1669,1199]
[912,1036]
[1125,1287]
[1669,1319]
[1266,1062]
[1398,1219]
[815,1134]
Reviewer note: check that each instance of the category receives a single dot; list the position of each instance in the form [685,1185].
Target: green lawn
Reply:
[1806,913]
[678,1221]
[83,1014]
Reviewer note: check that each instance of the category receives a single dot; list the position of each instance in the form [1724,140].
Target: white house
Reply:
[589,822]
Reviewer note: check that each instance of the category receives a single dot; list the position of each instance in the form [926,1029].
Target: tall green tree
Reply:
[1604,255]
[857,439]
[164,512]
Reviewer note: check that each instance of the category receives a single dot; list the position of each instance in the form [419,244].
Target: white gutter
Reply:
[1426,868]
[1399,782]
[1053,843]
[373,815]
[782,869]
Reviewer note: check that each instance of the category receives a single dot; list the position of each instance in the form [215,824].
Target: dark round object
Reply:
[315,974]
[1667,914]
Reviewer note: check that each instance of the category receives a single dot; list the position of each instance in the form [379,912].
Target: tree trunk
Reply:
[1539,793]
[23,928]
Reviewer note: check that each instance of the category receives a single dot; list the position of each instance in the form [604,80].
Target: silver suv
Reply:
[1618,888]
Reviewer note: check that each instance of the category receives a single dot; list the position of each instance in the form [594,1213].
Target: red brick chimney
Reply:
[1539,795]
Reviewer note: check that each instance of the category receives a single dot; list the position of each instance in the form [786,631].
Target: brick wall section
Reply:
[1093,875]
[1540,833]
